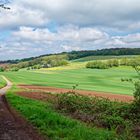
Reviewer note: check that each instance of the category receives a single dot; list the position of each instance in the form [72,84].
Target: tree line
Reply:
[106,64]
[38,63]
[83,53]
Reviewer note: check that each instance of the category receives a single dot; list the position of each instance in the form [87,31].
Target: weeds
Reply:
[100,112]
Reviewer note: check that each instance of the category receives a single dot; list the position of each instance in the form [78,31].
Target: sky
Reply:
[36,27]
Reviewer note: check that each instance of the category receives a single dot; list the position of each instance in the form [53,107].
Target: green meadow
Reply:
[107,80]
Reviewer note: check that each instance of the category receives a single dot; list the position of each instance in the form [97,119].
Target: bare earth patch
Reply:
[37,96]
[113,97]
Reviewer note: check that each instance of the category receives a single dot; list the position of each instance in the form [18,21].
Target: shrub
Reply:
[103,64]
[130,62]
[137,91]
[14,69]
[113,63]
[100,112]
[28,68]
[124,62]
[112,121]
[54,63]
[73,102]
[136,103]
[134,62]
[1,69]
[63,63]
[97,65]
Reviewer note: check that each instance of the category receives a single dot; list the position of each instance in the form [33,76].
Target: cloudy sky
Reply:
[35,27]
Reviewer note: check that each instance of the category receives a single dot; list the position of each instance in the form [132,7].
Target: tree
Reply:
[3,3]
[1,69]
[137,69]
[136,83]
[136,66]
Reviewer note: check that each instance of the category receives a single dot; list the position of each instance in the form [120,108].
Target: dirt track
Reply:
[117,97]
[13,126]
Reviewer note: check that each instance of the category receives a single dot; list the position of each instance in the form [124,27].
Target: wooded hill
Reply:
[84,53]
[52,60]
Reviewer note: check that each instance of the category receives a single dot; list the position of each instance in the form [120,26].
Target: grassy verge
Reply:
[53,124]
[123,118]
[2,82]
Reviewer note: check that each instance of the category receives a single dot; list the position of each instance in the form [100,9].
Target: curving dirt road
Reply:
[13,126]
[8,86]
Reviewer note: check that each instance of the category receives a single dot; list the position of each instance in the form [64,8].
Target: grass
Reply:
[88,79]
[71,65]
[2,82]
[54,125]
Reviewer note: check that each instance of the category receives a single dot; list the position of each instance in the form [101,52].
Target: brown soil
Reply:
[116,97]
[13,126]
[37,96]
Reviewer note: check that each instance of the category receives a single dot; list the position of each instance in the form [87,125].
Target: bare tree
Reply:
[3,3]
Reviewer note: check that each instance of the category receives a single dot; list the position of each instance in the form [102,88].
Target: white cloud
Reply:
[70,48]
[108,13]
[69,33]
[80,24]
[28,41]
[21,16]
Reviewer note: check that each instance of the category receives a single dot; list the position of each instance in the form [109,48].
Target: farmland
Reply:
[69,115]
[91,58]
[88,79]
[69,70]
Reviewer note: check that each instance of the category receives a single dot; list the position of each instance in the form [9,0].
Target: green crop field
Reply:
[108,80]
[91,58]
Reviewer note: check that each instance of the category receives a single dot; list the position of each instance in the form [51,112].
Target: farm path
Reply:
[8,86]
[111,96]
[12,125]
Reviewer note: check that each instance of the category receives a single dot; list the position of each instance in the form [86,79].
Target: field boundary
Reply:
[111,96]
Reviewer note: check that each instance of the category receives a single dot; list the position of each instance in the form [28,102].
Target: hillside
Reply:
[104,52]
[61,59]
[89,90]
[84,53]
